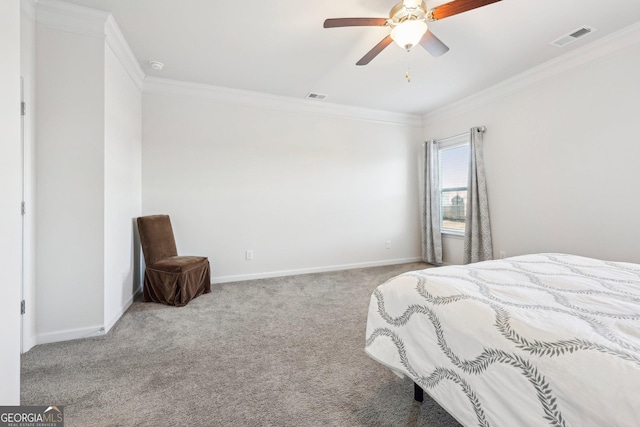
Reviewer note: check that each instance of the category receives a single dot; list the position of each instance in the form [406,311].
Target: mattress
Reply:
[535,340]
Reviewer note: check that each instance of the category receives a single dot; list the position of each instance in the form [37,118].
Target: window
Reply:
[453,163]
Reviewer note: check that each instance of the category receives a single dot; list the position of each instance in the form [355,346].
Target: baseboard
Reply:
[28,343]
[70,334]
[281,273]
[122,310]
[91,331]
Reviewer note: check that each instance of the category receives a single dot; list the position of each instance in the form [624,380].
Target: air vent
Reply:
[573,36]
[317,96]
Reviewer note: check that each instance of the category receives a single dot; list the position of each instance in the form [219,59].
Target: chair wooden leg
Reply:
[418,394]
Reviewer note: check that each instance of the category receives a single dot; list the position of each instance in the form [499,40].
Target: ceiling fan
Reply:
[408,22]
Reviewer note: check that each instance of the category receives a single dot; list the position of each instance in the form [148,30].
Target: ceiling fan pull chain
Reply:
[406,74]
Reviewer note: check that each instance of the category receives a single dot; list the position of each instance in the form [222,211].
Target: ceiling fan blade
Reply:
[354,22]
[455,7]
[433,45]
[375,51]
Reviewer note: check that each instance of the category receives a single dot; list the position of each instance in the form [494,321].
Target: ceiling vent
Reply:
[573,36]
[317,96]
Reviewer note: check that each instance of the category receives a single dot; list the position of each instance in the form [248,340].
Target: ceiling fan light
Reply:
[408,33]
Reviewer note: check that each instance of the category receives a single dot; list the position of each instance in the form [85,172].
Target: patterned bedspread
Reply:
[535,340]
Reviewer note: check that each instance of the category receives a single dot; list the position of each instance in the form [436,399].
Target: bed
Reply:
[534,340]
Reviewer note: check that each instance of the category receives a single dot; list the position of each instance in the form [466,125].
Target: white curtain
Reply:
[430,205]
[477,234]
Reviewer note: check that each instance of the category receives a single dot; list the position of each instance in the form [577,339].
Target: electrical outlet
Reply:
[503,254]
[388,244]
[249,254]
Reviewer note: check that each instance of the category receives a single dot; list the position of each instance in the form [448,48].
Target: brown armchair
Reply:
[169,278]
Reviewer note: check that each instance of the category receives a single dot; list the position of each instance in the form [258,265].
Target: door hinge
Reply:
[23,307]
[23,208]
[23,108]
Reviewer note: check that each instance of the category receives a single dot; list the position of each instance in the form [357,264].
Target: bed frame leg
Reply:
[418,394]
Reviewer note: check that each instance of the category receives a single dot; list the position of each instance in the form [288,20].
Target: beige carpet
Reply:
[274,352]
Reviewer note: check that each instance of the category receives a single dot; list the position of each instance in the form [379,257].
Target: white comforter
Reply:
[535,340]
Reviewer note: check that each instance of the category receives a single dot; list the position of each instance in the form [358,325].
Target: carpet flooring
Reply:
[283,351]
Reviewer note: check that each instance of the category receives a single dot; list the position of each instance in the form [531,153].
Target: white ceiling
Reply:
[279,47]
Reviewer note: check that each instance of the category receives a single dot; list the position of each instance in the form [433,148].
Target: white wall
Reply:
[10,195]
[28,72]
[561,154]
[88,172]
[305,191]
[122,188]
[70,183]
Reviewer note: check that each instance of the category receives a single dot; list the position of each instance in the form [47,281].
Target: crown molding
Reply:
[115,39]
[29,8]
[71,18]
[612,44]
[163,86]
[89,22]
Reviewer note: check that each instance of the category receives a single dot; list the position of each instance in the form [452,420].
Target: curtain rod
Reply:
[481,128]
